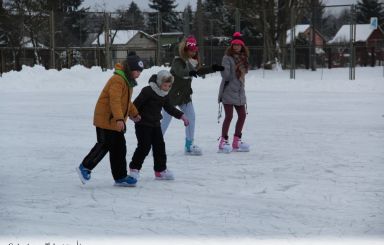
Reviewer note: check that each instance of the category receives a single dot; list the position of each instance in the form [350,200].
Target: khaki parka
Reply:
[114,102]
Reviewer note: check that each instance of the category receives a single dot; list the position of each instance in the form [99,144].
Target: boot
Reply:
[238,145]
[224,146]
[164,175]
[191,149]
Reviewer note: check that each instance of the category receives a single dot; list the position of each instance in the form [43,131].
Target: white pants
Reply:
[189,112]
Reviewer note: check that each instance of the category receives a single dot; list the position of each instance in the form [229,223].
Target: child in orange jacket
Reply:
[113,108]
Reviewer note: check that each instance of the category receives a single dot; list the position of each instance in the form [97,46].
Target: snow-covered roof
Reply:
[298,29]
[363,31]
[121,37]
[168,34]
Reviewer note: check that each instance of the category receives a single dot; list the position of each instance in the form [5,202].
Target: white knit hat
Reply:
[162,76]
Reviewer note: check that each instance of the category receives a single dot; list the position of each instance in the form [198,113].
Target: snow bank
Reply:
[79,78]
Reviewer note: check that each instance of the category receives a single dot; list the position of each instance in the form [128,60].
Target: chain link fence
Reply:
[58,41]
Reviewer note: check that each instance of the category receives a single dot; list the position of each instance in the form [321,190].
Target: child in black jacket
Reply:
[151,100]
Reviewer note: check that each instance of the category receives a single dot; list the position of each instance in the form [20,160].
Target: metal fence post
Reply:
[313,37]
[2,67]
[53,58]
[351,43]
[237,19]
[158,60]
[107,36]
[186,28]
[293,53]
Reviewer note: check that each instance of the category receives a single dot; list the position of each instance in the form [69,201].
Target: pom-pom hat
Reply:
[237,39]
[134,61]
[191,44]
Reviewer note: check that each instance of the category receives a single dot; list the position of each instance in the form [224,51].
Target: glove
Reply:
[136,119]
[185,120]
[193,73]
[217,67]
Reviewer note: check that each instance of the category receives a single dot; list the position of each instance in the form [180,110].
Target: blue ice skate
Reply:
[127,181]
[84,173]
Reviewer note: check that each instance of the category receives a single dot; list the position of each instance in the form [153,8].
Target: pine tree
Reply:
[130,19]
[169,19]
[70,22]
[217,15]
[369,8]
[4,26]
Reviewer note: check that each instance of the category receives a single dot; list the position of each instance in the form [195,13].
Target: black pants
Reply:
[148,137]
[114,143]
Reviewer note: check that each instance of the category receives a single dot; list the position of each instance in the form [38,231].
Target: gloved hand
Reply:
[185,120]
[217,67]
[136,119]
[193,73]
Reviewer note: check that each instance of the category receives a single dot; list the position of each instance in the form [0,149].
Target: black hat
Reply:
[134,62]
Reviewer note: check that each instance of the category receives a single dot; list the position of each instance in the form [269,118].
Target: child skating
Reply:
[184,67]
[232,93]
[151,100]
[113,108]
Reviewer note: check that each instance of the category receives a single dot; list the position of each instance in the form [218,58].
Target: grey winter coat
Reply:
[231,88]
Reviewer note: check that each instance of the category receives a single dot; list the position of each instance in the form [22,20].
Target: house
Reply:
[367,41]
[306,32]
[169,45]
[168,38]
[303,41]
[124,41]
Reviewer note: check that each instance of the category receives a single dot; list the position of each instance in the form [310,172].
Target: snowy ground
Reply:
[314,174]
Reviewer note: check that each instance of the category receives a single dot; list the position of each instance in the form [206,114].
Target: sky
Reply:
[112,5]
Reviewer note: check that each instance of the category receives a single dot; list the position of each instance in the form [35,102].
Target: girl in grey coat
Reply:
[232,93]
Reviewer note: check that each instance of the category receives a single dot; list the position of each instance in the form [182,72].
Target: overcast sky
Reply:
[112,5]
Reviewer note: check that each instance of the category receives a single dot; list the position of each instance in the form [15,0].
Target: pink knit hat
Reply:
[191,44]
[237,39]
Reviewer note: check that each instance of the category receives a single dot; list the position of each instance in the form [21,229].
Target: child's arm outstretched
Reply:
[209,69]
[173,111]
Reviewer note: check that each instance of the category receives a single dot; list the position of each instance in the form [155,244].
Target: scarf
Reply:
[130,82]
[241,61]
[157,89]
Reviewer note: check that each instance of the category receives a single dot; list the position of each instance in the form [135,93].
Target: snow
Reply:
[314,174]
[363,31]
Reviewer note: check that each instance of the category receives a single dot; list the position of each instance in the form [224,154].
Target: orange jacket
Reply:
[114,102]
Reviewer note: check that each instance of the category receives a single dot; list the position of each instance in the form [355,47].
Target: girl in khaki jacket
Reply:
[113,108]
